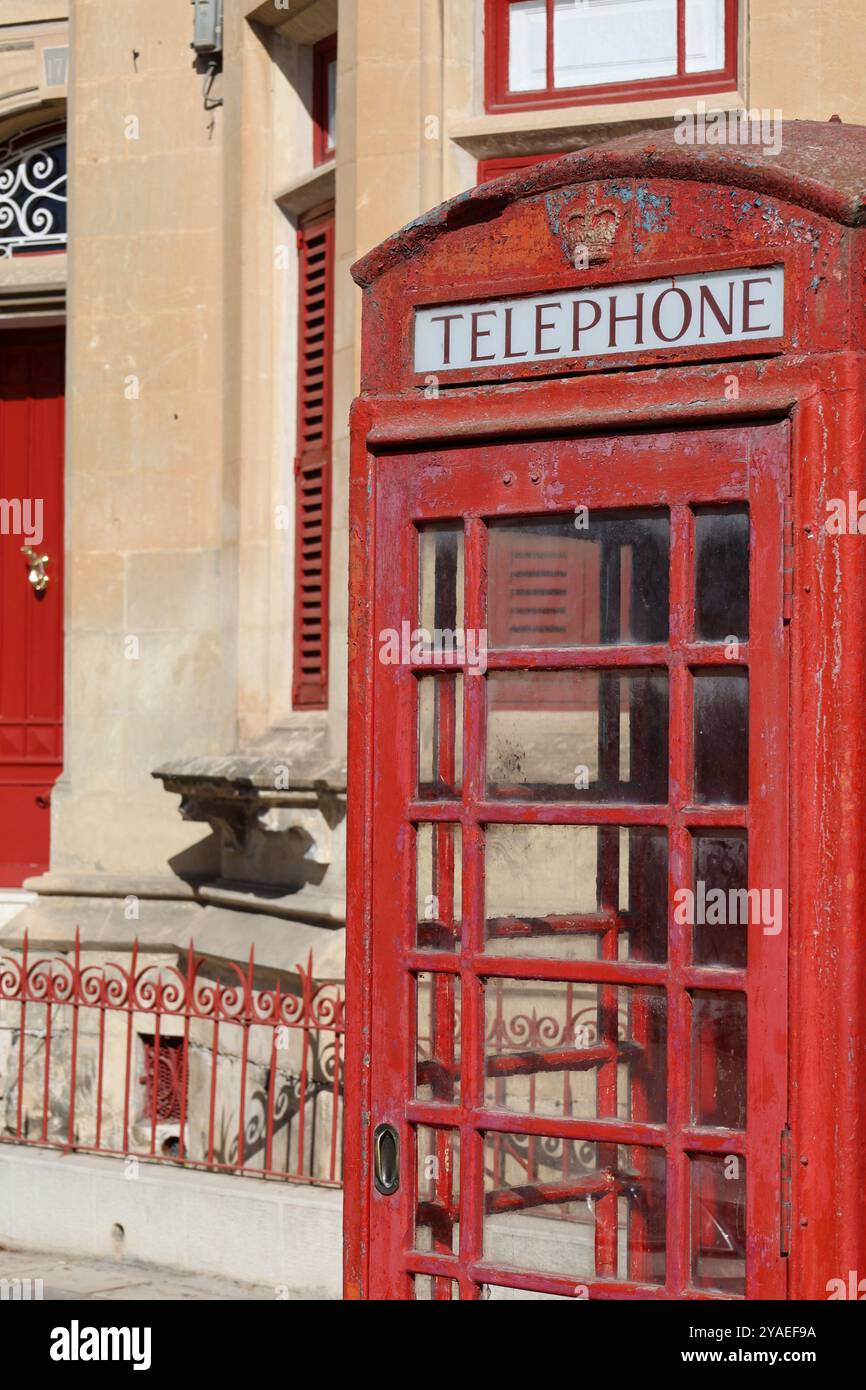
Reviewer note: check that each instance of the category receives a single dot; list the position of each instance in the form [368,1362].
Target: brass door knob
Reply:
[36,574]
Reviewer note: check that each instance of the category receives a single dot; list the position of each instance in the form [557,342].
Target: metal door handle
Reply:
[386,1159]
[37,576]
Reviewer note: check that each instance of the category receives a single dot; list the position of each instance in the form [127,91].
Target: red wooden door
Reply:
[579,1038]
[31,638]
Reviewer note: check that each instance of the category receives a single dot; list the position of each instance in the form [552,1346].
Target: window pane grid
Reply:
[550,52]
[681,1139]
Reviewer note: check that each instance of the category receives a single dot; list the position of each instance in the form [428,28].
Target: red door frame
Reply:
[698,467]
[31,630]
[824,399]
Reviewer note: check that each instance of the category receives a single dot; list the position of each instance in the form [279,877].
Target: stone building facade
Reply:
[218,196]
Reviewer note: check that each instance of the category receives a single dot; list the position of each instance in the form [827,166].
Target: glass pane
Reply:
[577,736]
[440,607]
[500,1293]
[721,573]
[437,1208]
[591,579]
[590,1051]
[721,736]
[527,46]
[600,41]
[438,1038]
[576,892]
[721,866]
[564,1206]
[719,1222]
[705,35]
[440,735]
[331,133]
[428,1289]
[438,883]
[719,1058]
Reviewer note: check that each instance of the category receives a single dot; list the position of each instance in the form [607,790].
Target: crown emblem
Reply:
[586,229]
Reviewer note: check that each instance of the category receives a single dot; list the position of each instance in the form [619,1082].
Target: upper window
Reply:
[33,192]
[325,99]
[577,52]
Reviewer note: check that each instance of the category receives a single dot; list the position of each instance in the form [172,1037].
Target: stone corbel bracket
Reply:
[239,794]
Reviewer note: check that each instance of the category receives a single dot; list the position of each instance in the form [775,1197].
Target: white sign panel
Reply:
[720,308]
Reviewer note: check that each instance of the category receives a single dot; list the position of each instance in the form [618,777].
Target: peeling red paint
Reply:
[414,456]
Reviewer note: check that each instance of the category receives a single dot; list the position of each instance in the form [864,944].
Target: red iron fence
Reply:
[193,1063]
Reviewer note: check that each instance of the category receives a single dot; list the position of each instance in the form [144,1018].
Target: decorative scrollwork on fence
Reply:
[33,193]
[225,1066]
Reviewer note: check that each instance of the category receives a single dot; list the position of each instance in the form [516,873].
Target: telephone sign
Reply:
[721,308]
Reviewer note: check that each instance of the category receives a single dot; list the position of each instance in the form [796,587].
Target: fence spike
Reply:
[313,1033]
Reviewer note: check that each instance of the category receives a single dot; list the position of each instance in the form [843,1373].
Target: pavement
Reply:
[66,1277]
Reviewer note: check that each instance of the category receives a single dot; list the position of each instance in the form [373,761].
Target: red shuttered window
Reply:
[579,52]
[494,168]
[313,461]
[534,588]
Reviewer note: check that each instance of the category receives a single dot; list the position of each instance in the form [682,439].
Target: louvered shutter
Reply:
[546,591]
[313,462]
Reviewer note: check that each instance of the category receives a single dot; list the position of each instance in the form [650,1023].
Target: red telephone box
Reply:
[606,972]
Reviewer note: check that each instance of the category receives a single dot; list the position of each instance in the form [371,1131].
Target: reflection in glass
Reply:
[438,1038]
[438,881]
[527,47]
[577,736]
[721,736]
[501,1293]
[719,1058]
[440,735]
[705,35]
[609,42]
[429,1289]
[719,1222]
[440,555]
[587,579]
[565,1206]
[437,1206]
[721,573]
[721,864]
[576,1050]
[576,892]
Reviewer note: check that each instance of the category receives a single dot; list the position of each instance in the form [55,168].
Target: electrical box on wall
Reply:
[208,30]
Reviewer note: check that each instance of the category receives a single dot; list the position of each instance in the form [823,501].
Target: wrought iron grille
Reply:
[163,1072]
[33,193]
